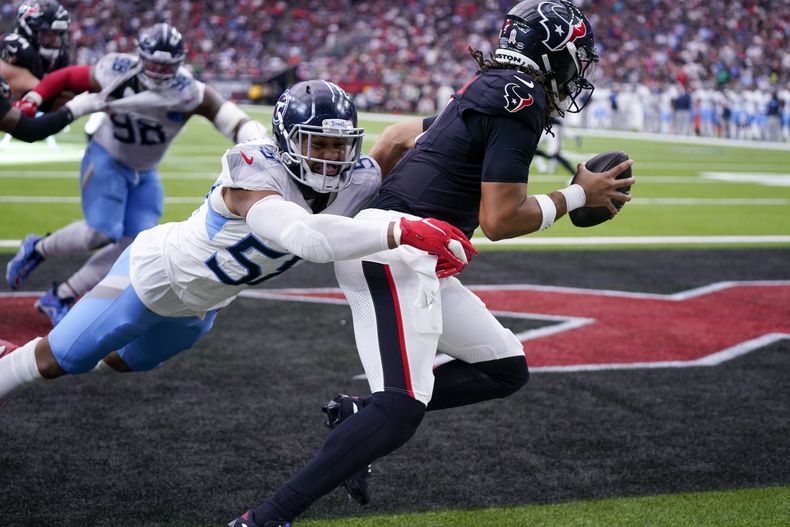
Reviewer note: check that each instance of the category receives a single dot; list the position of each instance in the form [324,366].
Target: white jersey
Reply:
[142,123]
[203,263]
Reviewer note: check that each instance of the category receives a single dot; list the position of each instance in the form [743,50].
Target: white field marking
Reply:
[643,180]
[76,199]
[39,154]
[567,323]
[713,359]
[596,240]
[67,174]
[680,139]
[756,202]
[774,180]
[638,240]
[684,140]
[711,201]
[305,294]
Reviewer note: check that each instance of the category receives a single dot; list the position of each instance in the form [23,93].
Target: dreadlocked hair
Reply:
[487,64]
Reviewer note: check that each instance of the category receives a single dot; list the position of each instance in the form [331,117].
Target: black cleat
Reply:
[337,410]
[245,520]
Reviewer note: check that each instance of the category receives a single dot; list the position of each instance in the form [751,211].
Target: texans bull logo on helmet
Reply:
[558,36]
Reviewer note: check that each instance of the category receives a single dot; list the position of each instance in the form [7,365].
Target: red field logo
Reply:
[586,329]
[593,329]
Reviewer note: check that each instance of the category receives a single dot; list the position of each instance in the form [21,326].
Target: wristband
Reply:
[548,211]
[396,232]
[574,196]
[34,96]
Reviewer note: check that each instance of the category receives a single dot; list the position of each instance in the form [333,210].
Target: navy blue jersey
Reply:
[5,94]
[487,133]
[18,51]
[4,107]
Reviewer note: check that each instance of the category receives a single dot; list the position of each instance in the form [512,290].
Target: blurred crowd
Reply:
[408,56]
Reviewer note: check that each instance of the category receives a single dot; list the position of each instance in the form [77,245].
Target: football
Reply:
[589,216]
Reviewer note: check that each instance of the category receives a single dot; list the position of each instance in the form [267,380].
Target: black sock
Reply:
[384,424]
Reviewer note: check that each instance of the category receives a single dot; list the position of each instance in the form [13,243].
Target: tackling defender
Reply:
[273,205]
[150,97]
[36,47]
[28,129]
[469,168]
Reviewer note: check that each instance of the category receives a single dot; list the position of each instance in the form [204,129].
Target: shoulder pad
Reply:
[366,169]
[253,165]
[504,92]
[15,49]
[111,67]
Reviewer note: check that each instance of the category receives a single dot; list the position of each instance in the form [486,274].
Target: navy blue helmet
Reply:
[162,51]
[554,37]
[315,126]
[45,24]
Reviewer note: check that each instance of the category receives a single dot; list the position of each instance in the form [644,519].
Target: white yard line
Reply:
[52,174]
[601,240]
[76,199]
[683,202]
[638,240]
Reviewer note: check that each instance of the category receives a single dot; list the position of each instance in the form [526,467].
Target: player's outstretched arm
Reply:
[228,118]
[71,78]
[324,238]
[30,129]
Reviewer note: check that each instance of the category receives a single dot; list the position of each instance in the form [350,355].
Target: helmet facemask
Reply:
[575,90]
[315,126]
[322,157]
[52,42]
[157,71]
[161,50]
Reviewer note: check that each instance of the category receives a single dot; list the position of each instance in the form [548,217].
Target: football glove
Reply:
[29,104]
[85,103]
[439,238]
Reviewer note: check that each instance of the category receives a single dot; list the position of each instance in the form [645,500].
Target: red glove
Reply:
[29,104]
[433,236]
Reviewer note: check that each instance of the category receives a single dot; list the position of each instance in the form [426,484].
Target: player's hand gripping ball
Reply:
[589,216]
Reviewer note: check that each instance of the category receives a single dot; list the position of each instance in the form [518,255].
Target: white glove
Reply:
[86,102]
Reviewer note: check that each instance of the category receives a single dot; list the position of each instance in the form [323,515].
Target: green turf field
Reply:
[688,192]
[768,507]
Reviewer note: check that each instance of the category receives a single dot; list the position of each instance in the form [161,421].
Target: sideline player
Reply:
[469,168]
[36,47]
[150,98]
[28,129]
[259,219]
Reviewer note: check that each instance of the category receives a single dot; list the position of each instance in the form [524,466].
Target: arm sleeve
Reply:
[317,238]
[509,147]
[29,129]
[74,78]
